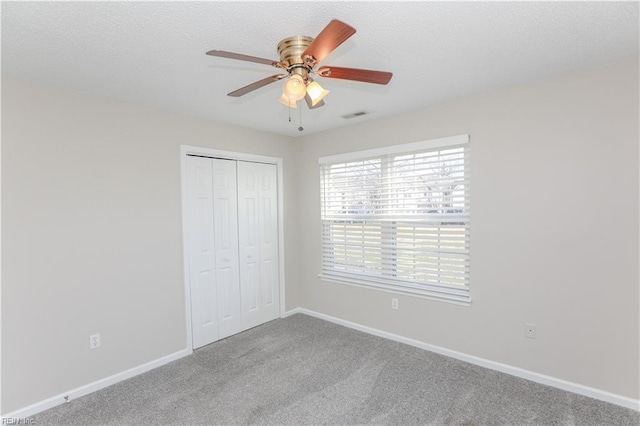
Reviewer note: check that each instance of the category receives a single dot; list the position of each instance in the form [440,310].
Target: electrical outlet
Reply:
[94,341]
[530,331]
[394,303]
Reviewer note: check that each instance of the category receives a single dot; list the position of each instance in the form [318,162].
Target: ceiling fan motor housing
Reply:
[290,50]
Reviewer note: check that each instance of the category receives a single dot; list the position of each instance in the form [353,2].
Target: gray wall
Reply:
[92,234]
[91,231]
[554,228]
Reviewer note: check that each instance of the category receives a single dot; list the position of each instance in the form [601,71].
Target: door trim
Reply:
[228,155]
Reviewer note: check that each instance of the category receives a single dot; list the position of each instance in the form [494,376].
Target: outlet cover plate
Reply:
[530,331]
[94,341]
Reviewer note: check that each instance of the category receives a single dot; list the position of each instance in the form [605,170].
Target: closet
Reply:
[232,246]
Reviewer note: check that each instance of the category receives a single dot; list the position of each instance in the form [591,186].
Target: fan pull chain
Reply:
[300,128]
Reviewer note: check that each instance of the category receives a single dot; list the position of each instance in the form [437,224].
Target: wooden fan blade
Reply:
[367,76]
[309,101]
[332,36]
[258,84]
[241,57]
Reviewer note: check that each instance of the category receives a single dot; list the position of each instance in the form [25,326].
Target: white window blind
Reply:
[398,218]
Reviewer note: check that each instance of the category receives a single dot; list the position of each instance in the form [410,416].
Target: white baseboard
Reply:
[508,369]
[92,387]
[297,311]
[493,365]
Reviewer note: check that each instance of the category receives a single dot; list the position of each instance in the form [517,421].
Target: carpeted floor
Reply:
[302,370]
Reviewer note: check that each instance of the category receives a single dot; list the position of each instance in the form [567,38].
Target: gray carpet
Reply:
[302,370]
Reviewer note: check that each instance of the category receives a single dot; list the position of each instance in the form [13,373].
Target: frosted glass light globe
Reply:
[294,88]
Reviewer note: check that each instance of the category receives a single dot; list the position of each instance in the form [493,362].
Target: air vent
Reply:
[355,114]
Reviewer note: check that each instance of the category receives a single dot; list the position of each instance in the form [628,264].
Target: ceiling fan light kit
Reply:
[299,56]
[316,92]
[294,88]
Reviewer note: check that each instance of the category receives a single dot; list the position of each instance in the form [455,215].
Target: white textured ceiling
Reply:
[153,53]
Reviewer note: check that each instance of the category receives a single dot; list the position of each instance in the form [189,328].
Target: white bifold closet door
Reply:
[232,254]
[258,231]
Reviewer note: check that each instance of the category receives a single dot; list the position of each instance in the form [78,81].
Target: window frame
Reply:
[461,296]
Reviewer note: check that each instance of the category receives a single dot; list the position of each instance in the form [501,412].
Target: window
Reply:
[398,218]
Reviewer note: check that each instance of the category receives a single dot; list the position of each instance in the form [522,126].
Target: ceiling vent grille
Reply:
[355,114]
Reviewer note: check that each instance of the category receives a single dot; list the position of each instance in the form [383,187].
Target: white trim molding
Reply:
[92,387]
[565,385]
[444,296]
[504,368]
[407,147]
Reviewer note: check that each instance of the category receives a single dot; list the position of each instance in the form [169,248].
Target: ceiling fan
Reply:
[299,56]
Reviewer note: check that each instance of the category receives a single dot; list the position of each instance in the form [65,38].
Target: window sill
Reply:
[457,297]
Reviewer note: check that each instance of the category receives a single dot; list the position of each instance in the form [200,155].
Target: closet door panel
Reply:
[269,271]
[249,244]
[204,314]
[225,214]
[259,277]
